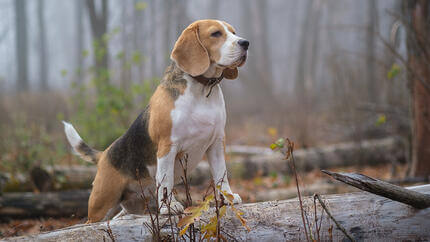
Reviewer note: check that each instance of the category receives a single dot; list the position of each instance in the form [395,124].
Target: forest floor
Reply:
[246,188]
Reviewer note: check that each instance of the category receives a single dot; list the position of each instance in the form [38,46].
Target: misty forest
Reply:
[327,134]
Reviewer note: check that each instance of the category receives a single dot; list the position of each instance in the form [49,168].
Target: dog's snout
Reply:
[244,43]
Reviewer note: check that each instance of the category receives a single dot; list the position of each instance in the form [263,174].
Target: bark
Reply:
[21,45]
[48,204]
[385,189]
[418,36]
[43,69]
[364,216]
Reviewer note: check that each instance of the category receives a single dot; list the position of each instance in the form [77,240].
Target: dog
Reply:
[185,116]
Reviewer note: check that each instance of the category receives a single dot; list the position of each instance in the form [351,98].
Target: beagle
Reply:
[185,115]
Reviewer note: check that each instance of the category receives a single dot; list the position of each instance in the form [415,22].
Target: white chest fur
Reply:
[197,120]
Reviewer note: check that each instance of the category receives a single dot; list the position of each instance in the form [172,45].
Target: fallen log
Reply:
[47,204]
[370,152]
[385,189]
[364,216]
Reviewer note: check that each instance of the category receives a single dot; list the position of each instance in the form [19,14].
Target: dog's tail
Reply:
[79,147]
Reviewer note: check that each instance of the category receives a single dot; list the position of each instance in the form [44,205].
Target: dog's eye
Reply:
[233,33]
[216,34]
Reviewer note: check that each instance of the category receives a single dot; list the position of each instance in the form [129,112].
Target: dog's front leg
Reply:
[165,179]
[216,158]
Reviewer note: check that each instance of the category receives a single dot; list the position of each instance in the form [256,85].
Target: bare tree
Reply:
[138,40]
[79,7]
[98,21]
[153,39]
[417,13]
[21,45]
[258,78]
[372,28]
[167,9]
[306,66]
[42,46]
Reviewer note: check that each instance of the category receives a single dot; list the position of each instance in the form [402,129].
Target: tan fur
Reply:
[160,123]
[108,187]
[196,49]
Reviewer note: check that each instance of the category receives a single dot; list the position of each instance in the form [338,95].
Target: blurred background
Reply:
[320,72]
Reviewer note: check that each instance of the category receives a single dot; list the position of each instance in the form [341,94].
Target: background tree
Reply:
[417,15]
[79,7]
[98,22]
[43,62]
[21,45]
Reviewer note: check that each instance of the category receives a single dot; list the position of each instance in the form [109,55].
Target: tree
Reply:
[98,21]
[79,40]
[21,45]
[417,15]
[372,27]
[42,46]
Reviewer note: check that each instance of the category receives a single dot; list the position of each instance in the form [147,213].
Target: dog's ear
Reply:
[189,53]
[230,73]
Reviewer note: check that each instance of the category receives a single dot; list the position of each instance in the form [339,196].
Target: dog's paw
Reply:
[236,199]
[175,208]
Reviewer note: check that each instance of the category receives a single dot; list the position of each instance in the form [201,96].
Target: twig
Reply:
[290,149]
[332,218]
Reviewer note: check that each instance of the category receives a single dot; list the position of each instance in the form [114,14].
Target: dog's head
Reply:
[207,42]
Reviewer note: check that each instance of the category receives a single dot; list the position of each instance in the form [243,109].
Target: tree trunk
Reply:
[365,217]
[79,7]
[42,46]
[372,28]
[21,45]
[418,36]
[153,39]
[98,22]
[167,5]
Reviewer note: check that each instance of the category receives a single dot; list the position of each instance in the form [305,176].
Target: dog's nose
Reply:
[244,43]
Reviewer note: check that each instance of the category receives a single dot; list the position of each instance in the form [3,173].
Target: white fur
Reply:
[198,124]
[72,136]
[230,51]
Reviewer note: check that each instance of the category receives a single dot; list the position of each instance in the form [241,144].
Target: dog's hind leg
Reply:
[108,187]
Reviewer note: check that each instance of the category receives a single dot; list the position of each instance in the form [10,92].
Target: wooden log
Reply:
[370,152]
[366,217]
[47,204]
[385,189]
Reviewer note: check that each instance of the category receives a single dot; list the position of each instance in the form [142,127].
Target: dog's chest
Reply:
[198,120]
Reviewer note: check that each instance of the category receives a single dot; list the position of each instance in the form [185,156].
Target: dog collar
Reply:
[211,82]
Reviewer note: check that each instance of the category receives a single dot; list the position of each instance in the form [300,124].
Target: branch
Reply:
[381,188]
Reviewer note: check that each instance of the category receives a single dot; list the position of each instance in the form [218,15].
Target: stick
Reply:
[381,188]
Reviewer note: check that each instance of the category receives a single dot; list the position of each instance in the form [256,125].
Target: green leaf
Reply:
[63,73]
[382,119]
[393,72]
[139,6]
